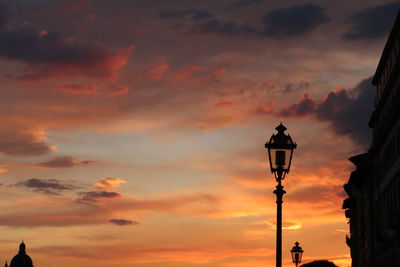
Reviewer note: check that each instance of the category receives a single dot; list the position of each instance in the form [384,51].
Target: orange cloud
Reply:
[109,183]
[286,225]
[158,73]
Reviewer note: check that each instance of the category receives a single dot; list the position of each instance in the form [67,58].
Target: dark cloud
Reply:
[373,22]
[47,186]
[348,115]
[123,222]
[190,13]
[241,3]
[62,162]
[294,20]
[224,28]
[304,107]
[348,111]
[92,196]
[59,162]
[278,22]
[22,142]
[50,54]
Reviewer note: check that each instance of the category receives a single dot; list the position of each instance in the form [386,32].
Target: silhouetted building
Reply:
[373,206]
[21,259]
[385,153]
[359,211]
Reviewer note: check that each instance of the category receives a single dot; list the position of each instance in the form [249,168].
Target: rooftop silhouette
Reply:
[322,263]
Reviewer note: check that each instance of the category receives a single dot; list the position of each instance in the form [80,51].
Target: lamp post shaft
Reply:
[280,151]
[279,196]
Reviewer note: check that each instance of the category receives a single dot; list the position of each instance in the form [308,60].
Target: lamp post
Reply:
[280,151]
[297,253]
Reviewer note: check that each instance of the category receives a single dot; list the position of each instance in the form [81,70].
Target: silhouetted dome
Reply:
[21,259]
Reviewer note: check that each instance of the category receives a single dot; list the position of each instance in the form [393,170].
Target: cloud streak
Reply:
[123,222]
[47,186]
[93,196]
[58,162]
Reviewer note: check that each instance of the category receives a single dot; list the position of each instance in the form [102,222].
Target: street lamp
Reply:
[280,151]
[297,253]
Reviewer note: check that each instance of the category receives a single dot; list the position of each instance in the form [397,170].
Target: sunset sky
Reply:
[133,131]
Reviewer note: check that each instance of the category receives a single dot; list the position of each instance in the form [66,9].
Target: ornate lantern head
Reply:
[280,151]
[297,253]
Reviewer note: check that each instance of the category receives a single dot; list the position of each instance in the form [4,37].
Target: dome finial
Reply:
[22,248]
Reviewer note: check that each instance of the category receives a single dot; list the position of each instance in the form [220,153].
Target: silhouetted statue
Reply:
[21,259]
[319,264]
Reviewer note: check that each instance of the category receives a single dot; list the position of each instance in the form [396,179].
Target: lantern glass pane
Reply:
[272,158]
[280,157]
